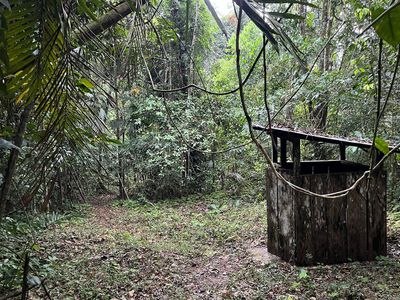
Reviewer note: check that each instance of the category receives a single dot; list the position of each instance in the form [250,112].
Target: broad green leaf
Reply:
[381,145]
[388,28]
[398,157]
[86,83]
[36,247]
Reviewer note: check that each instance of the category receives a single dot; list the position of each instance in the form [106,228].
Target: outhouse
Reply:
[308,230]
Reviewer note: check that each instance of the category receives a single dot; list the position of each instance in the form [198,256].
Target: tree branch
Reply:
[216,18]
[108,20]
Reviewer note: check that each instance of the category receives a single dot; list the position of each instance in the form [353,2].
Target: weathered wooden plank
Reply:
[274,148]
[272,212]
[319,225]
[296,157]
[376,195]
[336,220]
[289,133]
[356,220]
[285,216]
[283,152]
[303,223]
[307,230]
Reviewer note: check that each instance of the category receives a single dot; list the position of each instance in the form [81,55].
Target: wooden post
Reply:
[274,148]
[342,152]
[283,152]
[378,157]
[296,156]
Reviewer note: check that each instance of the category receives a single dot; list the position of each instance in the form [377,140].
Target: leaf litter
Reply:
[192,249]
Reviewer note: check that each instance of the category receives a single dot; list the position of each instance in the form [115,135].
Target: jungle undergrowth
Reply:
[199,247]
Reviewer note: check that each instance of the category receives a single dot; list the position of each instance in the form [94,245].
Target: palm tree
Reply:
[44,75]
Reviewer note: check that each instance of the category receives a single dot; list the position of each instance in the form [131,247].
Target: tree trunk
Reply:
[12,161]
[46,203]
[192,47]
[216,18]
[319,110]
[302,23]
[108,20]
[91,30]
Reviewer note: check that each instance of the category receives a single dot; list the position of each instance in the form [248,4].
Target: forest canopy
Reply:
[92,93]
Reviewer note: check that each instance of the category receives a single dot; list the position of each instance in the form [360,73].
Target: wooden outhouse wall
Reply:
[307,230]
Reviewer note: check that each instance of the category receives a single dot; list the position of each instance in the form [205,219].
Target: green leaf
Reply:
[303,274]
[196,223]
[83,81]
[398,157]
[381,145]
[36,247]
[388,28]
[113,141]
[108,140]
[82,4]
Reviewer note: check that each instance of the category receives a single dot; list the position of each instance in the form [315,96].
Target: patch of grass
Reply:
[192,227]
[193,248]
[368,280]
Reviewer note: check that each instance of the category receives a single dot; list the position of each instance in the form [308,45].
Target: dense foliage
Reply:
[88,109]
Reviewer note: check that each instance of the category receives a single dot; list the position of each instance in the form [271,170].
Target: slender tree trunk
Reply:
[319,110]
[12,161]
[119,132]
[192,46]
[46,203]
[216,18]
[61,187]
[302,23]
[108,20]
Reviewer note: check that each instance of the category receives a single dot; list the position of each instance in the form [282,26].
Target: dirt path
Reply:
[205,276]
[195,249]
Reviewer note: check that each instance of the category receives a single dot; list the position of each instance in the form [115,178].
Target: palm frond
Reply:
[267,22]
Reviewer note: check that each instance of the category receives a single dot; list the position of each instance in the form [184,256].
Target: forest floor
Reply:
[205,247]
